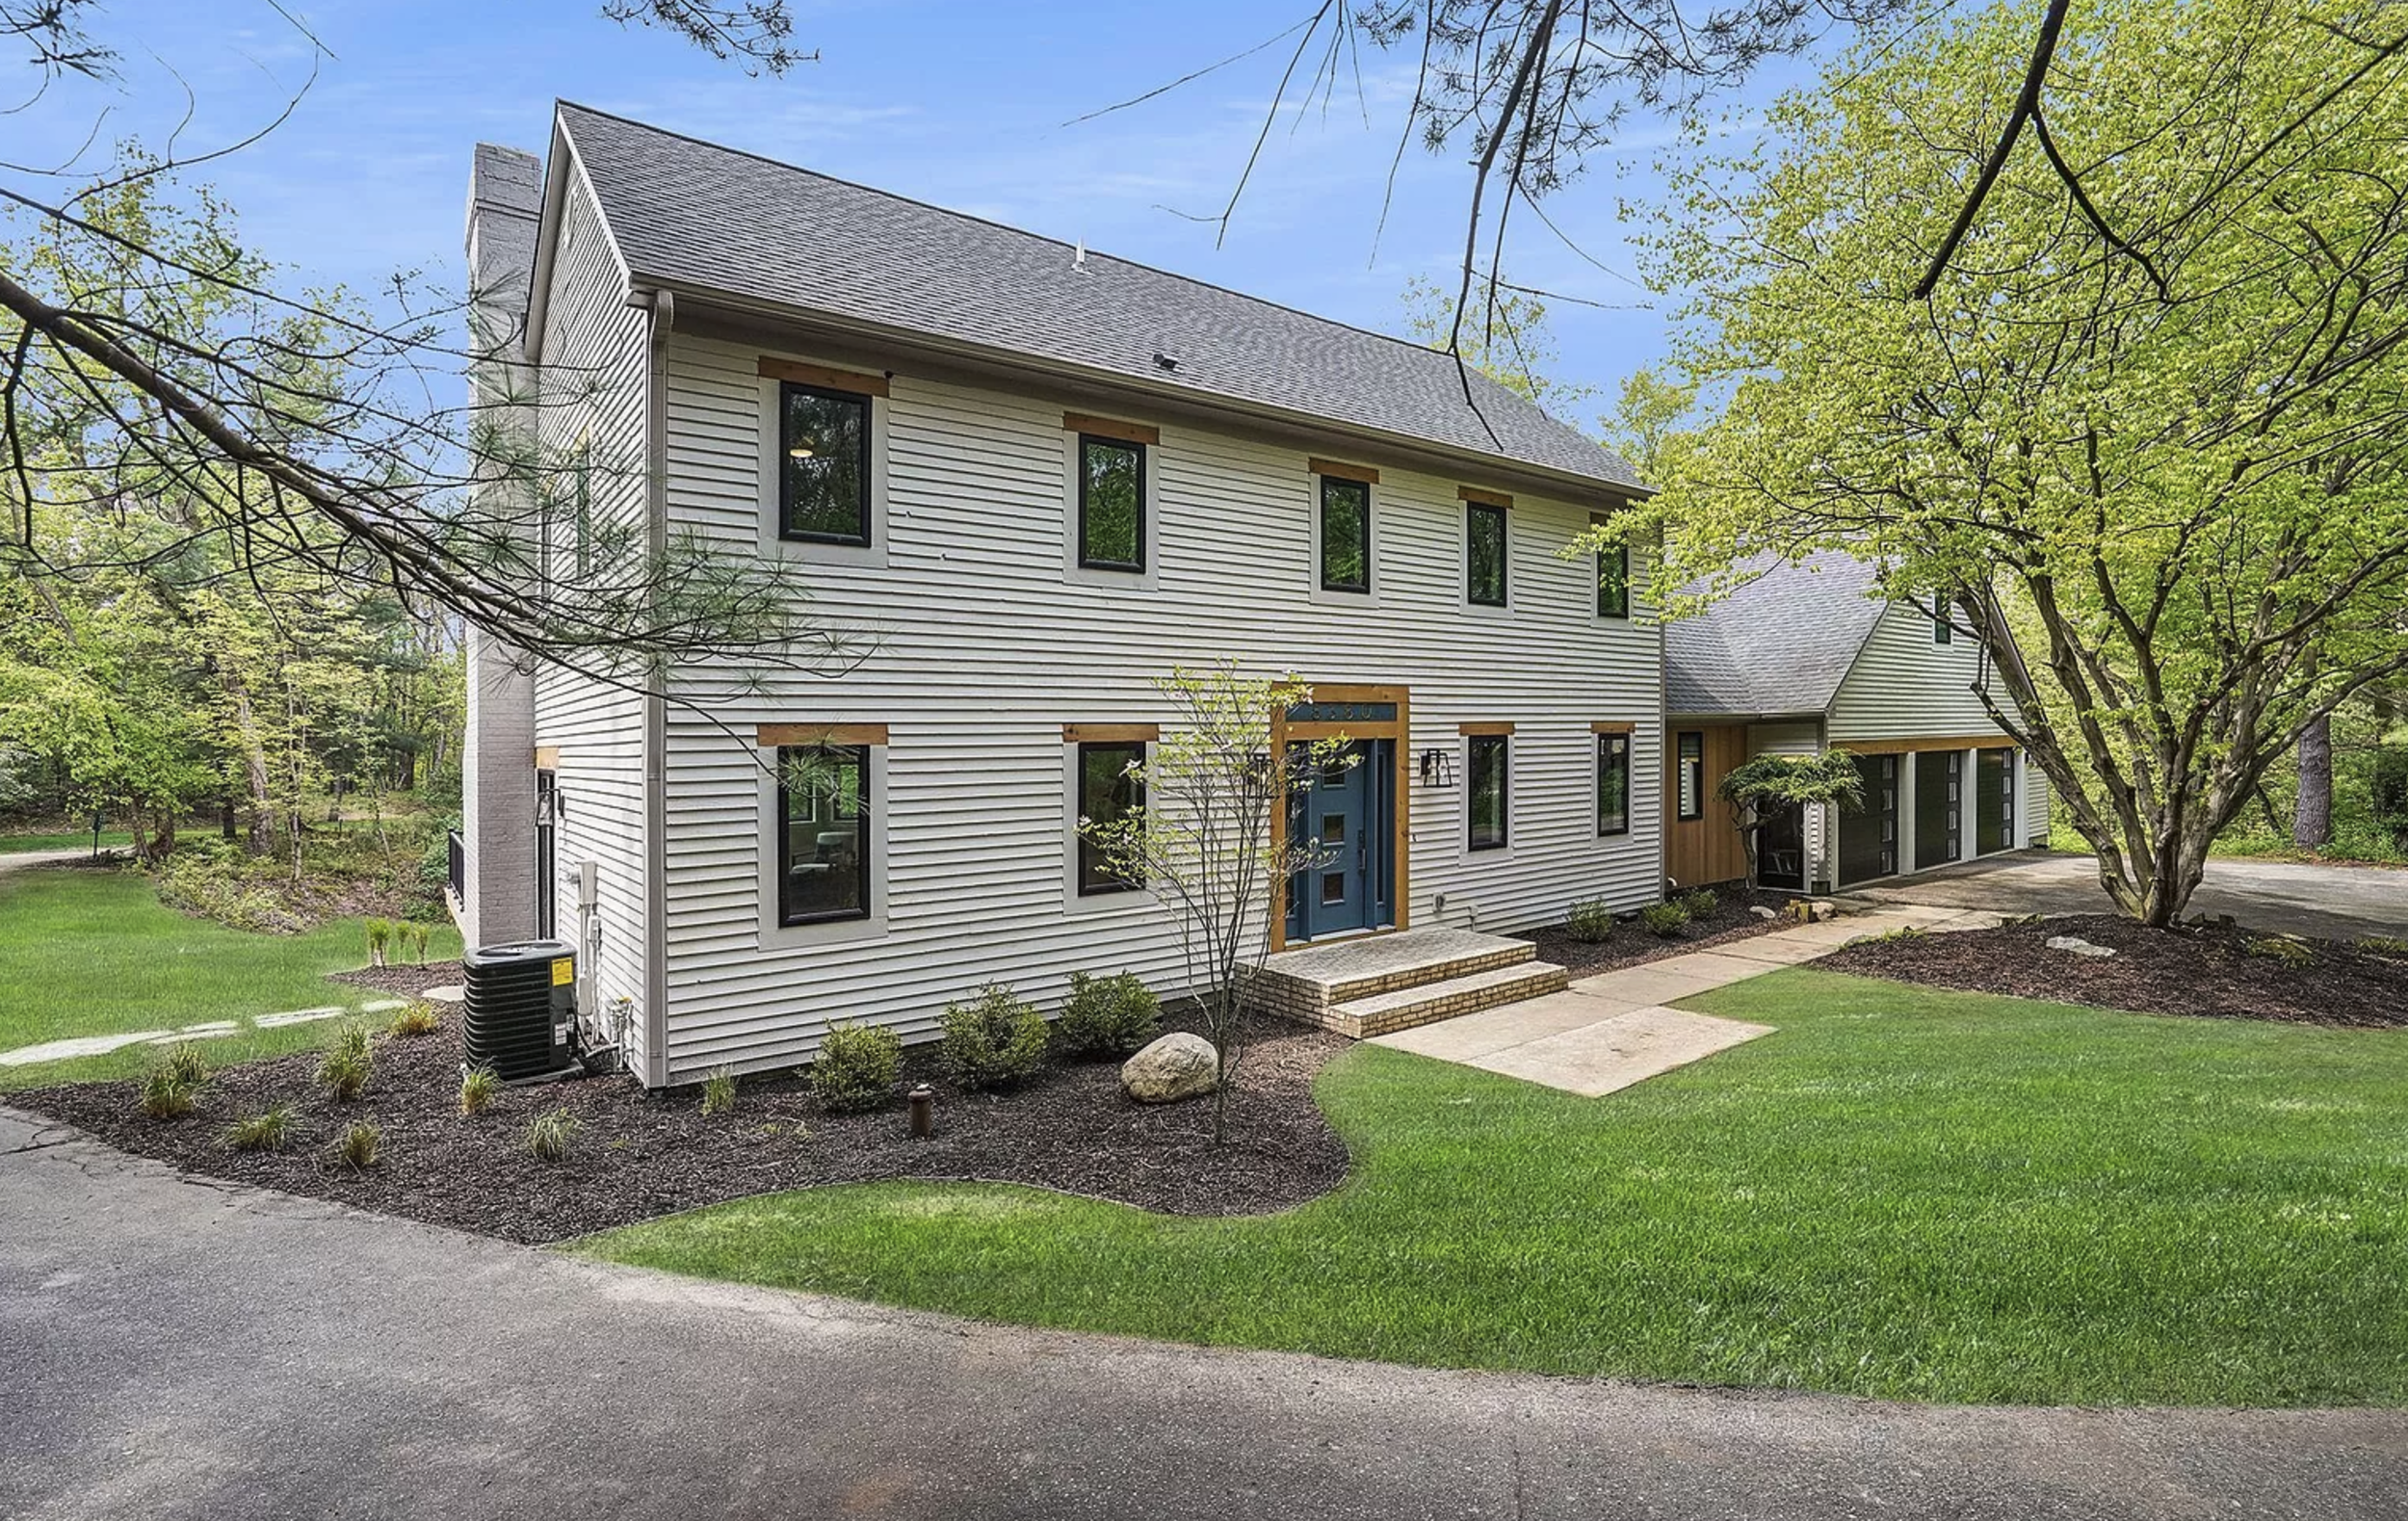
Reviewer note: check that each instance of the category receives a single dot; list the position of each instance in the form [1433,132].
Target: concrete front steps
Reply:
[1378,984]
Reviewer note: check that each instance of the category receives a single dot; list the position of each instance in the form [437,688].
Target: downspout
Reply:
[664,308]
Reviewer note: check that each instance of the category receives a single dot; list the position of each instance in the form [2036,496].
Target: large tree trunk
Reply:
[255,769]
[2312,823]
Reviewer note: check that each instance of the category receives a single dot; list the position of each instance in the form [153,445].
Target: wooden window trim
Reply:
[1484,727]
[1486,498]
[1111,733]
[1613,726]
[858,381]
[771,736]
[1113,427]
[547,757]
[1344,472]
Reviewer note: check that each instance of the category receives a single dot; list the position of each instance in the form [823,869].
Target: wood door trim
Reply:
[1613,726]
[547,757]
[1399,732]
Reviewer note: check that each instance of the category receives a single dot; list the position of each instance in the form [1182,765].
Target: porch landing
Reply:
[1380,984]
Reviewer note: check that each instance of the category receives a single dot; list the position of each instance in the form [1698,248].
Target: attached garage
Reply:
[1804,658]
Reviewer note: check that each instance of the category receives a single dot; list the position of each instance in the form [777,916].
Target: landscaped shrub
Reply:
[1663,920]
[164,1095]
[719,1092]
[213,886]
[856,1067]
[552,1134]
[345,1073]
[380,932]
[2384,945]
[1108,1015]
[995,1039]
[185,1064]
[2279,948]
[352,1040]
[408,932]
[477,1087]
[1700,902]
[1590,922]
[418,1019]
[361,1147]
[267,1131]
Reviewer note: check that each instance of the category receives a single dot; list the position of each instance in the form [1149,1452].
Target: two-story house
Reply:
[1028,480]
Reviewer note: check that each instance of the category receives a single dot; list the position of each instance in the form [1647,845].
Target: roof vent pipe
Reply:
[1078,257]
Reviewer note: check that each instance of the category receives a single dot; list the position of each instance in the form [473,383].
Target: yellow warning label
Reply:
[563,971]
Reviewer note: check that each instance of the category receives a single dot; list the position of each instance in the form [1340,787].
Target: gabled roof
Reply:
[698,218]
[1781,644]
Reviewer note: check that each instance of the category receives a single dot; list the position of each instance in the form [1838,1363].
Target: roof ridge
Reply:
[1023,233]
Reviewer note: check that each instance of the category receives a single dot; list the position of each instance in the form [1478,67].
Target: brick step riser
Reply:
[1389,1021]
[1299,998]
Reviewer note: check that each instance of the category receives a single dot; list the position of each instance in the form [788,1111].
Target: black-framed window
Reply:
[1941,632]
[824,832]
[1614,784]
[1691,751]
[1107,792]
[1487,794]
[1613,582]
[822,464]
[1345,534]
[1111,504]
[1484,554]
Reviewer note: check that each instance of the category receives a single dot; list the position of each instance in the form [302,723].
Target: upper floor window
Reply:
[1614,784]
[824,464]
[824,828]
[1345,534]
[1613,582]
[1691,777]
[1941,632]
[1484,553]
[1486,791]
[1111,504]
[1109,790]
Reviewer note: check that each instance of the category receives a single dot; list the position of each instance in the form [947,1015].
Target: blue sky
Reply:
[962,105]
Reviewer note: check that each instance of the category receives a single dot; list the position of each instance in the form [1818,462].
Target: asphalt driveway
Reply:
[2329,902]
[172,1347]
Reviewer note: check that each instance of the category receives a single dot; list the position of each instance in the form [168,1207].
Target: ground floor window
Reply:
[1614,784]
[1486,792]
[1108,791]
[823,823]
[1692,776]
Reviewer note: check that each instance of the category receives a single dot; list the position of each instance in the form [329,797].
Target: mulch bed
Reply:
[643,1155]
[1733,919]
[406,982]
[2194,970]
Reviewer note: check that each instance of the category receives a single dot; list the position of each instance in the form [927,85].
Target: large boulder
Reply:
[1178,1065]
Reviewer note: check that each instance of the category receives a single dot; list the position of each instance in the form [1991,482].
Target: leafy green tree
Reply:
[1507,339]
[2150,430]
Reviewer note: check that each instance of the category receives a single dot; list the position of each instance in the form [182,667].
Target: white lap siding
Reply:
[595,380]
[977,646]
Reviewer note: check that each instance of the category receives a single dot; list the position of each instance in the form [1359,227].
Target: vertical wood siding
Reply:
[978,647]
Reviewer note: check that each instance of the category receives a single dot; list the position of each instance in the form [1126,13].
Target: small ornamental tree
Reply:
[1769,783]
[1201,836]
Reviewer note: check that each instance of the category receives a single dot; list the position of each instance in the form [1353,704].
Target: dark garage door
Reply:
[1994,801]
[1868,833]
[1939,792]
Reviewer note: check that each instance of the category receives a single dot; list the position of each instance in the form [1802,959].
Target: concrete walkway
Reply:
[180,1348]
[1614,1029]
[2335,903]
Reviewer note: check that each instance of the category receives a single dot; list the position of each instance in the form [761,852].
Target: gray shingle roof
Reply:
[708,218]
[1780,643]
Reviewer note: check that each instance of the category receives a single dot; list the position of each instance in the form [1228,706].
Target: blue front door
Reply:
[1348,816]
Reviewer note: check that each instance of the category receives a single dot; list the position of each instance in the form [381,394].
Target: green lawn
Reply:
[1902,1193]
[86,951]
[18,843]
